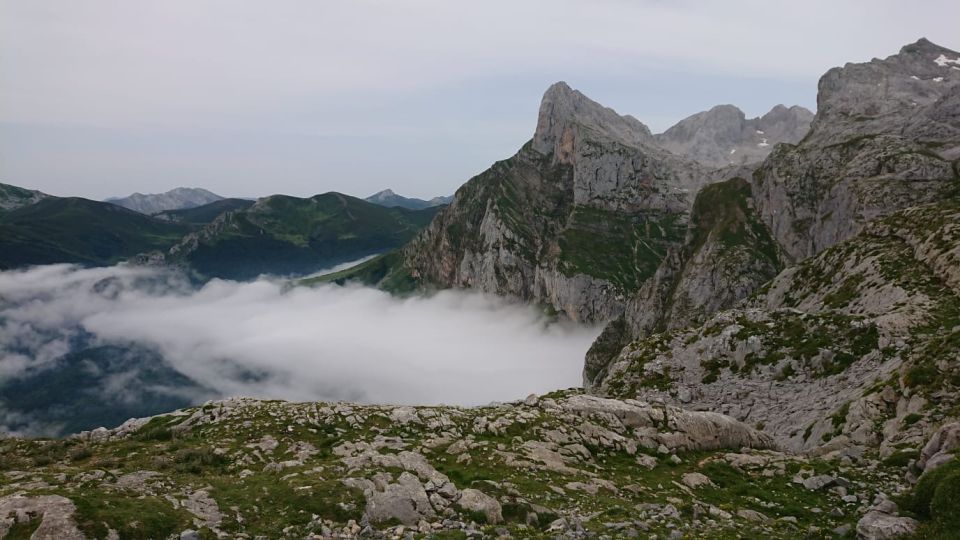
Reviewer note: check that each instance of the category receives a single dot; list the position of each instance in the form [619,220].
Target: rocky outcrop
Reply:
[54,513]
[723,135]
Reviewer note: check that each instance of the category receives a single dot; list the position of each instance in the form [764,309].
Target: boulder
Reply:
[876,525]
[695,480]
[477,501]
[406,501]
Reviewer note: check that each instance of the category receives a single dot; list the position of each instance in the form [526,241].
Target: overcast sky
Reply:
[108,97]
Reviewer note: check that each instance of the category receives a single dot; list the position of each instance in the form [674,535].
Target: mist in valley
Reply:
[127,338]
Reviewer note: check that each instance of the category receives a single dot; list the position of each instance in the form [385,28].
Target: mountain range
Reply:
[780,355]
[230,238]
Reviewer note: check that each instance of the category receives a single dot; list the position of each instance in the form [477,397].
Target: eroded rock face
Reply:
[885,137]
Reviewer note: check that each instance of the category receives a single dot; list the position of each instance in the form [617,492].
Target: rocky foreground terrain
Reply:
[561,465]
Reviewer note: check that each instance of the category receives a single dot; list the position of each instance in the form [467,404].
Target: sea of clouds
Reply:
[269,339]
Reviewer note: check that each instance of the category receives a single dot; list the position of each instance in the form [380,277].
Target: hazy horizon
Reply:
[107,98]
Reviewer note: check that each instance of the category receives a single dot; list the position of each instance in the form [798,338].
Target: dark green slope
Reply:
[285,235]
[201,215]
[75,230]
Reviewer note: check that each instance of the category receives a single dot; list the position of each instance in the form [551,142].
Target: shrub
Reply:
[945,505]
[80,453]
[920,500]
[196,460]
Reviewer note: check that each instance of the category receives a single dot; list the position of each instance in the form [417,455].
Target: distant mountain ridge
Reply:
[227,238]
[175,199]
[284,235]
[389,199]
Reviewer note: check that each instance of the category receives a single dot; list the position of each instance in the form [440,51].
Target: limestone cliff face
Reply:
[583,216]
[886,137]
[580,217]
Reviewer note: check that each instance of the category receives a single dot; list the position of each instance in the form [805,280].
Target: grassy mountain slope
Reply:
[13,197]
[75,230]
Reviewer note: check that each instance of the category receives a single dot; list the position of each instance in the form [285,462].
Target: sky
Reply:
[103,98]
[306,344]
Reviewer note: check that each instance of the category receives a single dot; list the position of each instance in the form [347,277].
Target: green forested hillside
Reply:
[291,235]
[75,230]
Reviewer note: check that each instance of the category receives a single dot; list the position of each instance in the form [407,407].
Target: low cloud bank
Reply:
[269,340]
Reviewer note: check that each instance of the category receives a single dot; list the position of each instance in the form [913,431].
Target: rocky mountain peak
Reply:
[724,136]
[563,107]
[175,199]
[386,193]
[722,120]
[875,96]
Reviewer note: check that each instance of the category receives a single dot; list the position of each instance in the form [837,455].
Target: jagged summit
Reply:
[724,136]
[718,137]
[925,46]
[563,107]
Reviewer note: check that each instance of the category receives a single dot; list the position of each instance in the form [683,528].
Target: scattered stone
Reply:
[477,501]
